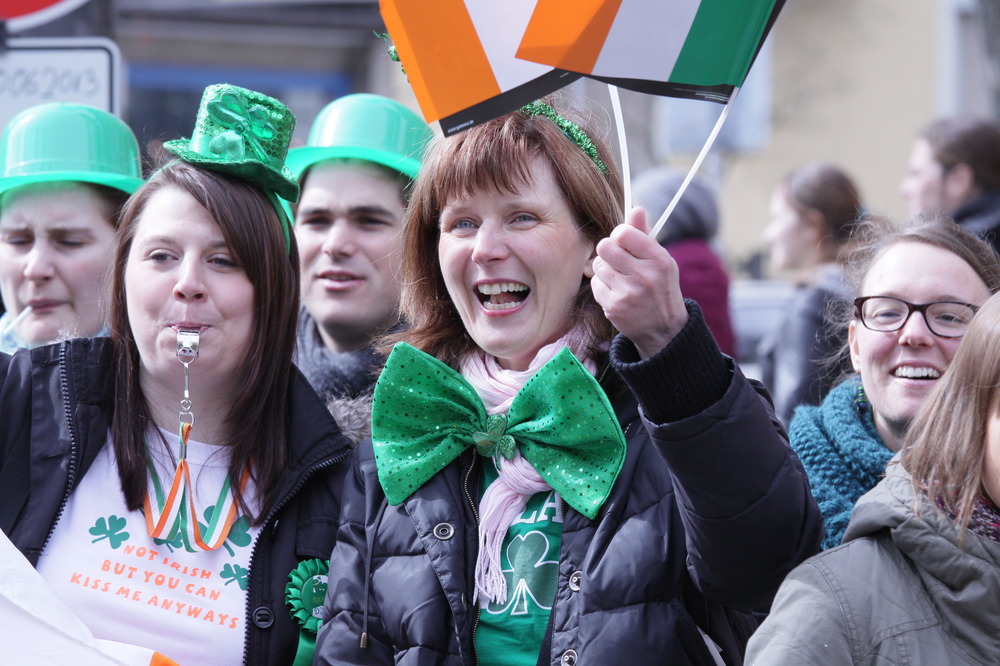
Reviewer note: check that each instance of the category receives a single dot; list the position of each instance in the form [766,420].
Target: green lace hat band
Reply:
[572,131]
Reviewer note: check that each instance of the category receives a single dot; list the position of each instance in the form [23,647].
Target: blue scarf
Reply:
[842,453]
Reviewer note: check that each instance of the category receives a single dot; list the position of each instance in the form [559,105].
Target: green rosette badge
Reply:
[305,593]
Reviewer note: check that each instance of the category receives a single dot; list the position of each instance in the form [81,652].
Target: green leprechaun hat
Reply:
[61,141]
[365,127]
[242,133]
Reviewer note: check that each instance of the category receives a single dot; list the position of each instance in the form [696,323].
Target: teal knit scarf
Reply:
[842,453]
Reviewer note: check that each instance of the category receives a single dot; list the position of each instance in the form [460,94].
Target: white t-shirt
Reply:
[128,587]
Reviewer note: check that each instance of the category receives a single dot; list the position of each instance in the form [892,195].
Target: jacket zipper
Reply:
[73,448]
[475,513]
[370,547]
[266,525]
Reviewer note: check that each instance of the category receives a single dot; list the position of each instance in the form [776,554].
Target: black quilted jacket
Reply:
[708,515]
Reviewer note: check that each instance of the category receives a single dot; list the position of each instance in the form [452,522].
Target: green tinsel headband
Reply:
[572,131]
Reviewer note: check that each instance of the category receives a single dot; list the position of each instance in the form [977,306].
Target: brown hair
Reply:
[113,201]
[259,416]
[945,447]
[828,190]
[496,156]
[971,141]
[874,237]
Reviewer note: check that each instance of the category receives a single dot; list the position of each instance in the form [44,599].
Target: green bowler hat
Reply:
[242,133]
[365,127]
[60,141]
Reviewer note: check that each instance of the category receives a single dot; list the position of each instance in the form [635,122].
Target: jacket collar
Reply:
[961,580]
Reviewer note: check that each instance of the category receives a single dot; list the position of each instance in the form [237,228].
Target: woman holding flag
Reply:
[539,489]
[177,484]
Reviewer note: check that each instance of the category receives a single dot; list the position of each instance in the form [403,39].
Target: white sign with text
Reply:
[35,70]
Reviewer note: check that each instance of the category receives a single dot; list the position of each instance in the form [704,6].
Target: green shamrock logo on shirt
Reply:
[531,578]
[111,528]
[235,573]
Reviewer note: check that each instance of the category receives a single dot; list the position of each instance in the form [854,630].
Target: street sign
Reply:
[34,70]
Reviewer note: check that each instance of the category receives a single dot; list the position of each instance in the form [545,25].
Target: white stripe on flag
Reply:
[646,38]
[500,27]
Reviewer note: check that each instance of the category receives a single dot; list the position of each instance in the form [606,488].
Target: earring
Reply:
[861,399]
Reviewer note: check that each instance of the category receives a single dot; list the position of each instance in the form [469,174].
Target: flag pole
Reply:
[697,164]
[622,144]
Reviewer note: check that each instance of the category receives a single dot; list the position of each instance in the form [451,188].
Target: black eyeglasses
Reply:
[945,319]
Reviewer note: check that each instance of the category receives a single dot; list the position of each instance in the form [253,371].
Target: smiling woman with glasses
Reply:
[932,267]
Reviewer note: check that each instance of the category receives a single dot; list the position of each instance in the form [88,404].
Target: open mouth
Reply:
[502,295]
[911,372]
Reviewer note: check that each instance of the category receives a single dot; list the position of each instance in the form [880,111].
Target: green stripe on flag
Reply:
[721,43]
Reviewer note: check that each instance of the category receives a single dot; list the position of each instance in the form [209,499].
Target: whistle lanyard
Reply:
[173,512]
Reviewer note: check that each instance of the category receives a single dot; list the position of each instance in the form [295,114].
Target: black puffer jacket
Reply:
[56,407]
[708,515]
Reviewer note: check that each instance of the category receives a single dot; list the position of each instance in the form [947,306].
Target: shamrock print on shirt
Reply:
[111,528]
[235,573]
[530,574]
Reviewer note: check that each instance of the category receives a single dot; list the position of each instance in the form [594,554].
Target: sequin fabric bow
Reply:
[246,127]
[425,414]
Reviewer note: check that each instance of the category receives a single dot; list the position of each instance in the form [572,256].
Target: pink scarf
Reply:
[506,498]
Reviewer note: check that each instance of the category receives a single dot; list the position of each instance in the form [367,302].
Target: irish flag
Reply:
[472,60]
[701,49]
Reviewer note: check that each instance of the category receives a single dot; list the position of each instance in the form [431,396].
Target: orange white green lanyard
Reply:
[174,512]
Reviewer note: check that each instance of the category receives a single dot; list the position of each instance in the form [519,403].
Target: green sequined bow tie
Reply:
[425,414]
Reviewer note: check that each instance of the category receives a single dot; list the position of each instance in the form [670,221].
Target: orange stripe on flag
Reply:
[440,50]
[568,39]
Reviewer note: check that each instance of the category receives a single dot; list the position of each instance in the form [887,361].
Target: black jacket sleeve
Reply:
[748,515]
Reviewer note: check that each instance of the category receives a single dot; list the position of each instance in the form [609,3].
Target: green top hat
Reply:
[69,142]
[366,127]
[242,133]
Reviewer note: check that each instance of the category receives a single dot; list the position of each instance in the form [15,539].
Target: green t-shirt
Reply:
[511,634]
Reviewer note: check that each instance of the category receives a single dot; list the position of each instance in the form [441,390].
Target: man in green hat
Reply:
[362,154]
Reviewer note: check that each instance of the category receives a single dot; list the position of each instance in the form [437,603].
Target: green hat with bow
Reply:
[242,133]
